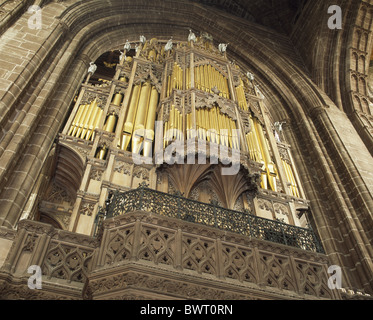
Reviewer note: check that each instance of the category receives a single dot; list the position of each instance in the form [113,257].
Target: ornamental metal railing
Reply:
[176,206]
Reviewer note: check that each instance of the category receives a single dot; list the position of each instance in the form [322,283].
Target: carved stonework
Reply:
[58,195]
[161,257]
[67,262]
[207,100]
[96,174]
[245,121]
[265,205]
[122,167]
[142,173]
[90,96]
[87,208]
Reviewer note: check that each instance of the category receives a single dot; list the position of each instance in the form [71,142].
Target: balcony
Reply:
[152,245]
[242,223]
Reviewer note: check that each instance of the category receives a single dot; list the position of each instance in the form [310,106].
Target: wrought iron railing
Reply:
[176,206]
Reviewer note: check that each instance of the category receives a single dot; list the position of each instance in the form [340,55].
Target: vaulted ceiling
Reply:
[280,15]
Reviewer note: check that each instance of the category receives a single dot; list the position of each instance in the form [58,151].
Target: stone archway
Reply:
[56,64]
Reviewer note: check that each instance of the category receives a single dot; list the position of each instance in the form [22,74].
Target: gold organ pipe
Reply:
[129,123]
[176,127]
[110,122]
[223,136]
[196,78]
[168,86]
[271,173]
[296,189]
[102,153]
[213,77]
[226,126]
[142,106]
[263,143]
[165,134]
[150,122]
[290,175]
[95,124]
[180,78]
[181,133]
[141,116]
[226,88]
[188,124]
[174,76]
[92,122]
[203,124]
[217,128]
[199,80]
[187,87]
[117,99]
[213,124]
[221,86]
[200,70]
[176,123]
[172,79]
[199,124]
[206,77]
[255,142]
[209,73]
[285,165]
[171,123]
[250,147]
[177,74]
[235,139]
[207,123]
[218,81]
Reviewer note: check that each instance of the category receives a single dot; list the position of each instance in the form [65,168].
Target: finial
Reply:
[223,47]
[142,39]
[127,46]
[250,76]
[169,45]
[92,68]
[192,36]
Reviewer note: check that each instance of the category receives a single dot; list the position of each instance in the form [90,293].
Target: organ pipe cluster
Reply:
[141,100]
[208,79]
[86,121]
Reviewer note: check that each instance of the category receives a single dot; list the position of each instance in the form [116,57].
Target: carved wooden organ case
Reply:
[157,95]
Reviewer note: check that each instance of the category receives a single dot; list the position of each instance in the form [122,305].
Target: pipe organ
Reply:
[195,93]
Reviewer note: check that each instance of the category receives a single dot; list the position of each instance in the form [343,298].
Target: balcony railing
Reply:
[175,206]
